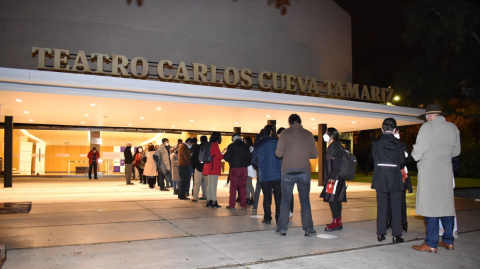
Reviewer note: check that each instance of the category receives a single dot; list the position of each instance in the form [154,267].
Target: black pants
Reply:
[94,166]
[269,188]
[382,208]
[336,207]
[161,180]
[140,173]
[291,204]
[151,181]
[184,172]
[404,207]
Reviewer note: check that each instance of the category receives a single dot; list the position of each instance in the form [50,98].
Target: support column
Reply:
[322,151]
[273,123]
[8,153]
[237,130]
[95,140]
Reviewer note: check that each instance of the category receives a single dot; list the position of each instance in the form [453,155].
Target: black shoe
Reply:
[184,198]
[194,200]
[266,222]
[310,233]
[164,189]
[397,239]
[209,203]
[215,204]
[129,183]
[281,234]
[175,192]
[381,237]
[96,178]
[389,224]
[144,183]
[405,226]
[89,179]
[202,198]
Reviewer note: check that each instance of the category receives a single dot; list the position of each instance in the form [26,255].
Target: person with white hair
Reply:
[127,153]
[239,158]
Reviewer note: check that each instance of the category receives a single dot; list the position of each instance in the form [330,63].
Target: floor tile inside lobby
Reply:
[76,223]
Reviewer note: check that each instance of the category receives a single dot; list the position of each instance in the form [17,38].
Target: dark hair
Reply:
[389,124]
[194,140]
[249,141]
[164,140]
[179,141]
[189,140]
[151,148]
[94,148]
[280,130]
[203,139]
[265,132]
[333,133]
[294,118]
[268,127]
[215,137]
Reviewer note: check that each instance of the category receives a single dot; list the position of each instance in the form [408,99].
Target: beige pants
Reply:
[212,188]
[198,181]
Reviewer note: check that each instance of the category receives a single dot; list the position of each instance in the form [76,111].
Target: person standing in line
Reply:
[388,155]
[139,164]
[332,168]
[175,174]
[438,141]
[270,170]
[252,173]
[198,166]
[188,142]
[192,146]
[296,146]
[213,169]
[239,158]
[258,187]
[93,157]
[279,131]
[162,157]
[150,170]
[161,168]
[128,158]
[184,170]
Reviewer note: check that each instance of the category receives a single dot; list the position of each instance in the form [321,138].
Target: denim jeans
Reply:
[303,185]
[432,230]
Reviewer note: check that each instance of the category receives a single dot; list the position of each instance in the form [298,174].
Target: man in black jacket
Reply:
[127,153]
[200,180]
[389,158]
[239,158]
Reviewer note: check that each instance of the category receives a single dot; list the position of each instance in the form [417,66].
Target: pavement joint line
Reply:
[318,254]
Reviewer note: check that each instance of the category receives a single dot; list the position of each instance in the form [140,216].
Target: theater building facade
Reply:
[78,74]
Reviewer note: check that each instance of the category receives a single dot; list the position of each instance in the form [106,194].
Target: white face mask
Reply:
[397,136]
[140,150]
[167,144]
[326,138]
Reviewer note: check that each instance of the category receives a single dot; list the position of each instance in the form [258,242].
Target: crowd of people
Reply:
[279,162]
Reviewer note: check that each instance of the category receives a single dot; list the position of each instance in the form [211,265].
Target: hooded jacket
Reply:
[388,159]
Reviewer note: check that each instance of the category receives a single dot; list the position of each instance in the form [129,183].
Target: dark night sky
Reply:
[378,49]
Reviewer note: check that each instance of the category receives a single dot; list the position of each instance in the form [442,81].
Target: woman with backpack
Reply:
[139,164]
[213,168]
[333,185]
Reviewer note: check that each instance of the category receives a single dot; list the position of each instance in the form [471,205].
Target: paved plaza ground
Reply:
[77,223]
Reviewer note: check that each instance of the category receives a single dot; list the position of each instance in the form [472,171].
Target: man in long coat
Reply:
[438,141]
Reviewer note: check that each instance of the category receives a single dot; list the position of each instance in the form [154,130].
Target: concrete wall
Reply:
[312,39]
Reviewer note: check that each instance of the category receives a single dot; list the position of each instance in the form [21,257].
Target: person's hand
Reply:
[224,150]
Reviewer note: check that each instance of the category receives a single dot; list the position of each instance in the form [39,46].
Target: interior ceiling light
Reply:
[353,122]
[18,100]
[82,122]
[93,104]
[217,112]
[268,116]
[312,118]
[173,126]
[314,127]
[142,118]
[191,120]
[159,108]
[236,122]
[26,112]
[31,120]
[213,128]
[249,130]
[86,115]
[129,124]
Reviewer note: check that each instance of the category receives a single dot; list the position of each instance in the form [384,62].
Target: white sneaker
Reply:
[441,231]
[291,215]
[226,185]
[455,234]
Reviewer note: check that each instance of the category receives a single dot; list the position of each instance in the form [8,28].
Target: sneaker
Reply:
[280,233]
[254,211]
[291,215]
[230,207]
[310,233]
[203,198]
[266,222]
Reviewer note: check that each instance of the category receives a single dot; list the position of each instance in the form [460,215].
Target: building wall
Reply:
[55,163]
[312,39]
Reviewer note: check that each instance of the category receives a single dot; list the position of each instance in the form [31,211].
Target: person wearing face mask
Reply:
[164,164]
[139,164]
[93,157]
[213,169]
[128,157]
[389,159]
[333,184]
[161,168]
[184,169]
[150,170]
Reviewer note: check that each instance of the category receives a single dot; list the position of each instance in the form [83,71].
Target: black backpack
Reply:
[204,154]
[349,165]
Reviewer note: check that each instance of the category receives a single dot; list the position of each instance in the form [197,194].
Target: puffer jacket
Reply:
[238,154]
[268,165]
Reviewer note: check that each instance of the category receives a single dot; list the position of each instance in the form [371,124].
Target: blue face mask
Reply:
[189,146]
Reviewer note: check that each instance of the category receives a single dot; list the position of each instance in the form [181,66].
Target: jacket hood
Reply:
[390,142]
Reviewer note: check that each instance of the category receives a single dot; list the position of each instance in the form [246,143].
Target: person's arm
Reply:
[228,155]
[280,150]
[254,158]
[313,148]
[424,139]
[215,151]
[458,148]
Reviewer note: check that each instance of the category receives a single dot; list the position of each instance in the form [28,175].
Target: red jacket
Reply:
[214,168]
[90,156]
